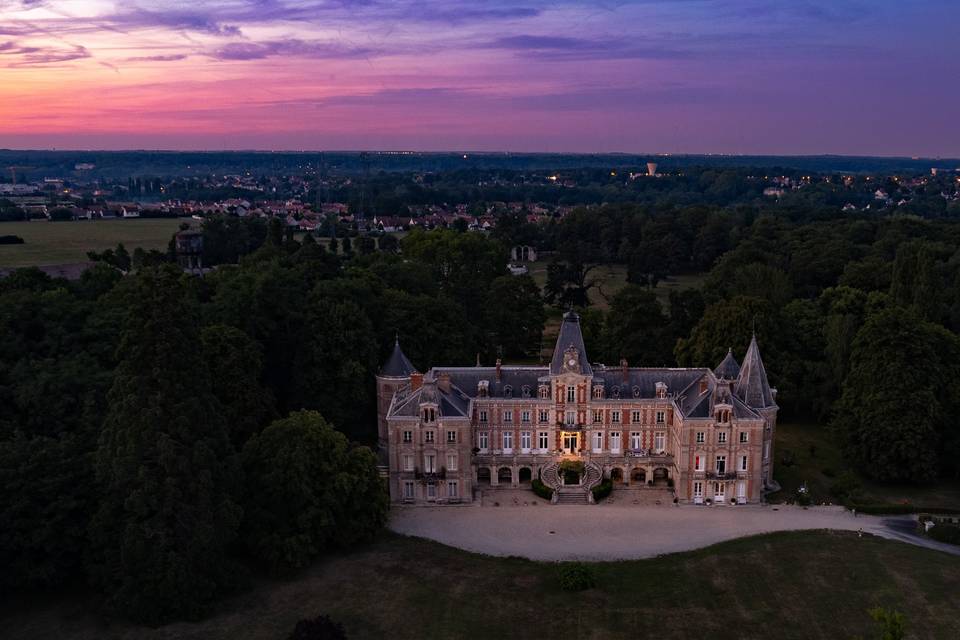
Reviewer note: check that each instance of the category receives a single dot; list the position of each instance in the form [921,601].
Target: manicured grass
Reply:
[68,242]
[818,462]
[783,585]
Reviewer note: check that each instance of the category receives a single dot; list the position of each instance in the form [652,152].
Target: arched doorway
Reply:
[638,475]
[660,475]
[505,475]
[616,475]
[525,475]
[483,476]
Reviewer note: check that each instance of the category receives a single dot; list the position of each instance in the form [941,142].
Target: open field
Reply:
[783,585]
[67,242]
[818,462]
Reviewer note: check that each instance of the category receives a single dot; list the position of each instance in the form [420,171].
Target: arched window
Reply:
[598,393]
[636,392]
[544,392]
[508,391]
[616,392]
[525,391]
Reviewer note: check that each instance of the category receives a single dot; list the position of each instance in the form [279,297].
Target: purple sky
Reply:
[681,76]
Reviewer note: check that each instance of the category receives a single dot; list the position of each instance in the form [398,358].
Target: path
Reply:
[621,531]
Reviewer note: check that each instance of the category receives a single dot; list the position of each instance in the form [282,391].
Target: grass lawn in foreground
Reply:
[68,242]
[818,462]
[783,585]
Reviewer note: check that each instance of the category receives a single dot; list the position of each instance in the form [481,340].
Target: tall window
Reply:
[483,440]
[571,394]
[661,417]
[525,416]
[722,437]
[432,491]
[408,436]
[408,490]
[544,415]
[408,463]
[659,442]
[571,418]
[429,463]
[451,436]
[452,462]
[721,464]
[743,436]
[697,489]
[483,415]
[597,441]
[452,489]
[698,463]
[743,463]
[615,417]
[701,437]
[429,436]
[508,440]
[543,440]
[615,442]
[635,417]
[525,440]
[508,416]
[597,416]
[429,415]
[635,442]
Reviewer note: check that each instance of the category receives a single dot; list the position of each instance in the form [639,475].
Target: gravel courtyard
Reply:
[624,531]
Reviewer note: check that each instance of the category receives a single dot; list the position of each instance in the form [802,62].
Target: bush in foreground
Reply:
[576,576]
[319,628]
[602,490]
[945,533]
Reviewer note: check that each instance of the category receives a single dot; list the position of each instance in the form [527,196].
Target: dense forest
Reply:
[164,433]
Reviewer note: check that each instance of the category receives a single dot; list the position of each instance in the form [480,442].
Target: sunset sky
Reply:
[683,76]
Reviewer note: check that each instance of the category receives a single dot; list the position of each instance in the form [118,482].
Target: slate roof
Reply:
[752,386]
[729,369]
[570,336]
[397,365]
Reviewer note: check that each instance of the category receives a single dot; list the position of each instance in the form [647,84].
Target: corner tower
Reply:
[394,374]
[753,388]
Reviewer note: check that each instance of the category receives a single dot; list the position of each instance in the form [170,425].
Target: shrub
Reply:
[602,490]
[945,533]
[11,240]
[803,498]
[319,628]
[846,487]
[541,489]
[788,458]
[576,576]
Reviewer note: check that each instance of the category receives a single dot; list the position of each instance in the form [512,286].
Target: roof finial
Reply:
[396,336]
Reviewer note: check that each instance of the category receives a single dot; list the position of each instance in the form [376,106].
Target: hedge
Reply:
[602,490]
[541,489]
[945,533]
[896,509]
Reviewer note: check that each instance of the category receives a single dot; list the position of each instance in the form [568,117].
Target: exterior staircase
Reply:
[572,494]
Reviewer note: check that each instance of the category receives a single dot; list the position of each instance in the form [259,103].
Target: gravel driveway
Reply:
[624,531]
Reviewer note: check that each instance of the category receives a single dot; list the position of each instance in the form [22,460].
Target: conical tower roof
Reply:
[729,369]
[397,365]
[570,337]
[752,386]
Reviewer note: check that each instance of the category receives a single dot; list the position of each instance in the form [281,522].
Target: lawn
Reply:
[783,585]
[68,242]
[817,461]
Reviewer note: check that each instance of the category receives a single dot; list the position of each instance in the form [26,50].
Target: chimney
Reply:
[443,382]
[416,380]
[625,370]
[498,369]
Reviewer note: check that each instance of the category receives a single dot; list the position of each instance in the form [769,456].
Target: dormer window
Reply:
[429,415]
[544,392]
[636,392]
[525,391]
[598,393]
[508,391]
[483,388]
[615,392]
[661,390]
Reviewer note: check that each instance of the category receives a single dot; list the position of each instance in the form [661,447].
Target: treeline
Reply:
[857,318]
[162,433]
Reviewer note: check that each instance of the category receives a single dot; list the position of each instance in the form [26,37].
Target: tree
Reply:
[366,245]
[388,243]
[516,315]
[168,473]
[636,329]
[727,324]
[895,413]
[319,628]
[308,492]
[235,364]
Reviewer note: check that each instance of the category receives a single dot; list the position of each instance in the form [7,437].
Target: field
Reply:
[784,585]
[817,462]
[68,242]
